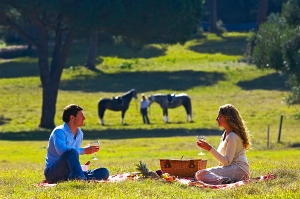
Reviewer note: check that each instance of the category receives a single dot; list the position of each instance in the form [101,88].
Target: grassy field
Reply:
[207,69]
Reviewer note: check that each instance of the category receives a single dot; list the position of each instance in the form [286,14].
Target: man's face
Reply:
[79,119]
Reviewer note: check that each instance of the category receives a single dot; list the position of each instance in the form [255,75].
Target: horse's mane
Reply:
[128,92]
[181,94]
[159,94]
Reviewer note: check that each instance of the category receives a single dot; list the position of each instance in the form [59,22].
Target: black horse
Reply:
[118,103]
[172,101]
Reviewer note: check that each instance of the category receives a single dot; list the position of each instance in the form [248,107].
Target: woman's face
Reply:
[222,122]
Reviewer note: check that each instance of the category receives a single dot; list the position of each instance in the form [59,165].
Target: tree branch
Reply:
[8,22]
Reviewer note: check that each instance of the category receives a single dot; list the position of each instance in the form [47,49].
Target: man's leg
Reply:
[66,167]
[97,174]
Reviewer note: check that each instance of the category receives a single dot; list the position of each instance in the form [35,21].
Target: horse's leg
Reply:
[101,111]
[188,118]
[165,114]
[122,117]
[102,118]
[188,109]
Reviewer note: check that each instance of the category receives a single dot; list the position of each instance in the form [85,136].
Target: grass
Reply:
[207,69]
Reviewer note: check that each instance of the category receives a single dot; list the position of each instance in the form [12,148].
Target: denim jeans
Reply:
[144,113]
[67,167]
[97,174]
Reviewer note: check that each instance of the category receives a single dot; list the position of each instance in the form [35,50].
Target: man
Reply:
[62,159]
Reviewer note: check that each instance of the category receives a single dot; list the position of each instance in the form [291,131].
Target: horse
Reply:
[172,101]
[118,103]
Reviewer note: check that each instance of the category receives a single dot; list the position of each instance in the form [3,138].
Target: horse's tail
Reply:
[189,107]
[101,108]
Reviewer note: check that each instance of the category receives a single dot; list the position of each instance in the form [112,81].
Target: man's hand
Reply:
[91,149]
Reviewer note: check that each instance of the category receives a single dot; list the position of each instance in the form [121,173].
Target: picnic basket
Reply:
[182,168]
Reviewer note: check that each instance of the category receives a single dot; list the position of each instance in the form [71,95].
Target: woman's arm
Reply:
[226,160]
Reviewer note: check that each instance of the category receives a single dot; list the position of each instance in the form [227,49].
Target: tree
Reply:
[277,46]
[92,51]
[60,22]
[213,16]
[241,11]
[262,12]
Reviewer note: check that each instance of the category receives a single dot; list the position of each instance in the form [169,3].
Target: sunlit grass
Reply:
[207,69]
[20,174]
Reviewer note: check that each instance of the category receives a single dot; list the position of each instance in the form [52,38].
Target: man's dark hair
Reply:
[71,109]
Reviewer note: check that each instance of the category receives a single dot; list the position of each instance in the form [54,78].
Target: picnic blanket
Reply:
[192,182]
[186,181]
[113,178]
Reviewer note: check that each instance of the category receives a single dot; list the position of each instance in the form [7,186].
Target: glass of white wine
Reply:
[95,143]
[202,138]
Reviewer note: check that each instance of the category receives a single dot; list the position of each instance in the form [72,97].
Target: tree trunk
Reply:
[50,76]
[262,12]
[92,51]
[213,16]
[49,97]
[48,106]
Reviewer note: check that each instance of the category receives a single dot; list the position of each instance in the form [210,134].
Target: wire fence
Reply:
[232,27]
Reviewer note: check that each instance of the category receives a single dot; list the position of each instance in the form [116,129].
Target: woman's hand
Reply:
[204,145]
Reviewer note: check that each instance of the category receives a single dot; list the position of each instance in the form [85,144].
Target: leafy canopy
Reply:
[278,46]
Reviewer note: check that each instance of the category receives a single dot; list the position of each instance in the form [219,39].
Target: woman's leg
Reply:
[143,111]
[147,119]
[233,172]
[217,175]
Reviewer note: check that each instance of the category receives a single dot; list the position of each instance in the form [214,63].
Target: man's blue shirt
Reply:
[62,139]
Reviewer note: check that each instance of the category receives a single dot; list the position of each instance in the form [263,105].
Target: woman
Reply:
[144,109]
[231,153]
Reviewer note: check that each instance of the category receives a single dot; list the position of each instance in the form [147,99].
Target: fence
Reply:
[232,27]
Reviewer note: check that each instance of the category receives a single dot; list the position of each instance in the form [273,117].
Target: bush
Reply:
[277,46]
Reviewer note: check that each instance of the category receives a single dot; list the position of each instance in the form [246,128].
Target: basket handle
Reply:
[167,164]
[192,164]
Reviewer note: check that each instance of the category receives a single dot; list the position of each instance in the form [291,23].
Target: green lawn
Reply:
[207,69]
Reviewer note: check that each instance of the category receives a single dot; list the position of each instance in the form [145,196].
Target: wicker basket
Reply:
[182,168]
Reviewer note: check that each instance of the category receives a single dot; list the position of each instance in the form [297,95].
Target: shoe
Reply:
[227,181]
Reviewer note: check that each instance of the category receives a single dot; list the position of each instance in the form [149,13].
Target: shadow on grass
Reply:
[142,81]
[111,134]
[28,67]
[14,69]
[125,52]
[226,46]
[295,145]
[4,120]
[273,81]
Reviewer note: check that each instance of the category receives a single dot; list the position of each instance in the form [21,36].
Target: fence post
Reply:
[268,137]
[279,130]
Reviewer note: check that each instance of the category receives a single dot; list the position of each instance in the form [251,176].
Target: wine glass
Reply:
[202,138]
[95,143]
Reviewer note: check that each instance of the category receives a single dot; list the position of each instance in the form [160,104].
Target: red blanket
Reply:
[113,178]
[186,181]
[201,184]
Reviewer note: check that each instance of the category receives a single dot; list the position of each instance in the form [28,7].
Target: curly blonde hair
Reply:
[236,122]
